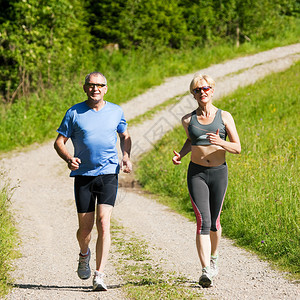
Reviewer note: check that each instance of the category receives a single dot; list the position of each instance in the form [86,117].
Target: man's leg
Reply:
[86,223]
[104,240]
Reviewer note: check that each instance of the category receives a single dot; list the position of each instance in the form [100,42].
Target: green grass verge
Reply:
[8,236]
[261,210]
[35,119]
[143,278]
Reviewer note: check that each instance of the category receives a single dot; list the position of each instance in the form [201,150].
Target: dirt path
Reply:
[45,213]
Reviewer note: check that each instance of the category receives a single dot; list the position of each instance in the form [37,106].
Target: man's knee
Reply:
[86,222]
[84,231]
[103,223]
[103,217]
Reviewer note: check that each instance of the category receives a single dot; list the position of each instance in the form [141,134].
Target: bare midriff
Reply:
[208,156]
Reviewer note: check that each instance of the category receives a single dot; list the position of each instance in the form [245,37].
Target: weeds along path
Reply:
[45,214]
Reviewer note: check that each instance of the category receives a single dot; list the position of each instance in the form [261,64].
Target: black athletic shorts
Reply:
[89,188]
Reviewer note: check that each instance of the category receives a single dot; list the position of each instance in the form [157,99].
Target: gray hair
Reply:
[88,76]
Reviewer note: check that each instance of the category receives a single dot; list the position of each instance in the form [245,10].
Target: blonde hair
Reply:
[198,77]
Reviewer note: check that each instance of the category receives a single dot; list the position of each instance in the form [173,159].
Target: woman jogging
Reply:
[207,128]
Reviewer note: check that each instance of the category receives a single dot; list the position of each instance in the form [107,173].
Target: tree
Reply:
[136,23]
[40,40]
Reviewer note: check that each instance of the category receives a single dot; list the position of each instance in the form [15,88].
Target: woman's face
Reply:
[203,92]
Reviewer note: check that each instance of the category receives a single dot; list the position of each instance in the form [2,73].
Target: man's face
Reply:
[95,88]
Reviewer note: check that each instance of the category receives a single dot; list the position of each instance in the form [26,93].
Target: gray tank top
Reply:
[198,132]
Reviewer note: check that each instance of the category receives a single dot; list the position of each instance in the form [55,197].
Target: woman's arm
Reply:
[183,152]
[187,147]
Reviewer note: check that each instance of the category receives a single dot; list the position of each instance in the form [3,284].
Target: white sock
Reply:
[85,253]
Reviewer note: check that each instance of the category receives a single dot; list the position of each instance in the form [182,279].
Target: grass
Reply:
[261,210]
[36,118]
[143,279]
[8,236]
[151,112]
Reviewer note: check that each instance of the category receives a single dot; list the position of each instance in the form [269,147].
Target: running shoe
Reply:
[98,283]
[214,270]
[83,270]
[206,278]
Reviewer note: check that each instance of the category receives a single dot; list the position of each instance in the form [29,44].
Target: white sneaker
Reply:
[206,279]
[83,270]
[98,284]
[214,270]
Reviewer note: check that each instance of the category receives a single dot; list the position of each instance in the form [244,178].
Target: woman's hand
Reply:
[177,158]
[214,138]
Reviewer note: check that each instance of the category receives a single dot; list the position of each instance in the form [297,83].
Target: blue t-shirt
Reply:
[94,136]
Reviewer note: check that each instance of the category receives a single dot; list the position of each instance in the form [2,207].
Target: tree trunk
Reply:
[237,35]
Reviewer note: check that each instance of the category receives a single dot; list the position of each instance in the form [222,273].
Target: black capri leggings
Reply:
[207,187]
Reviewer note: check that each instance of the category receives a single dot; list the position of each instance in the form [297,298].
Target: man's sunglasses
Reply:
[95,85]
[204,89]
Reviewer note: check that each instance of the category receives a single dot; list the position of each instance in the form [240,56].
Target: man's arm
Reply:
[62,151]
[125,144]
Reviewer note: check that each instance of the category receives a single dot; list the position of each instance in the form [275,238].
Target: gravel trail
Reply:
[45,212]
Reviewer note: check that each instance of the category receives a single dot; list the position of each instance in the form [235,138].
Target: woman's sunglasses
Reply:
[203,88]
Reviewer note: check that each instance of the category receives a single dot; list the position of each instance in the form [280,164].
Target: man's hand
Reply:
[73,163]
[126,166]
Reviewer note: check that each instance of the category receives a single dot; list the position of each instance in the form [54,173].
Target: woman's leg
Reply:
[199,194]
[215,237]
[204,249]
[217,189]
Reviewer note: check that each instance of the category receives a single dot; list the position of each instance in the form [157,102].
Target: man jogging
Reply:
[92,126]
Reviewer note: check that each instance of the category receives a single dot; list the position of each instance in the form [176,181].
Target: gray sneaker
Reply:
[98,283]
[214,270]
[206,278]
[83,270]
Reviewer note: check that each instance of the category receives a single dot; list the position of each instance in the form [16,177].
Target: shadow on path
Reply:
[62,288]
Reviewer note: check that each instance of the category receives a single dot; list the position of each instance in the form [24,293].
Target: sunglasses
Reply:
[204,89]
[95,85]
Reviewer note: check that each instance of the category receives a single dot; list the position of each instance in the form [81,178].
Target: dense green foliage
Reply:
[261,210]
[8,235]
[40,42]
[138,23]
[186,23]
[47,42]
